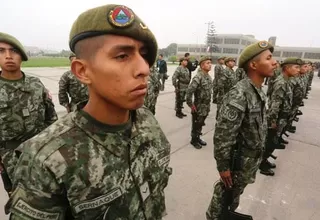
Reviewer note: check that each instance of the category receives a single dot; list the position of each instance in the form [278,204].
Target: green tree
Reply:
[211,38]
[173,59]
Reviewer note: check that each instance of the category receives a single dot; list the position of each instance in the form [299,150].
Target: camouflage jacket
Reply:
[242,122]
[217,71]
[154,86]
[201,88]
[70,85]
[240,74]
[26,108]
[280,101]
[98,171]
[227,80]
[297,91]
[271,80]
[181,78]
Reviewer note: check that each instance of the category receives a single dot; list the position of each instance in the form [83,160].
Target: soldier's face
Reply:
[294,70]
[118,73]
[10,58]
[265,65]
[206,65]
[231,64]
[304,69]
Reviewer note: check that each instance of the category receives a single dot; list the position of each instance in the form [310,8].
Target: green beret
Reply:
[116,20]
[253,50]
[221,58]
[204,58]
[6,38]
[293,60]
[229,59]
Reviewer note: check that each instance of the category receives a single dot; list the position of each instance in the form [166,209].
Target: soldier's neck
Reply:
[256,79]
[11,75]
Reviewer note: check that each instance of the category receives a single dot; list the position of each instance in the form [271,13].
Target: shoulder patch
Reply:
[24,208]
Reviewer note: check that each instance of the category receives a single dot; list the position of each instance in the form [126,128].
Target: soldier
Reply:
[110,159]
[162,68]
[201,88]
[192,66]
[217,72]
[226,81]
[271,80]
[280,104]
[180,81]
[26,107]
[154,86]
[240,74]
[241,129]
[70,85]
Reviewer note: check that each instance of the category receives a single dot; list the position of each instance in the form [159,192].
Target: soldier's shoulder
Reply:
[44,144]
[237,96]
[32,79]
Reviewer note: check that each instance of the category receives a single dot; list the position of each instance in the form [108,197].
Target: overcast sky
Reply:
[46,23]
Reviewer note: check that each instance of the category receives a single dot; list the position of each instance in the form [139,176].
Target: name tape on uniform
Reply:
[26,209]
[99,201]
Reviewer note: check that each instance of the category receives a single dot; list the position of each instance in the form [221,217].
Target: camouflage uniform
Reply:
[297,95]
[218,69]
[271,80]
[201,88]
[180,81]
[242,123]
[280,103]
[99,171]
[154,86]
[26,109]
[227,80]
[70,85]
[240,74]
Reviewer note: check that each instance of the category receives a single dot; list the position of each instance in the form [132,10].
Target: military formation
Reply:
[108,158]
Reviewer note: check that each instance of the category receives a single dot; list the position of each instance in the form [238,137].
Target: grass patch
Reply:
[46,62]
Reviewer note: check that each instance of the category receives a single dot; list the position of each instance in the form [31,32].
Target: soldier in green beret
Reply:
[280,104]
[69,85]
[26,107]
[199,99]
[240,130]
[108,160]
[218,69]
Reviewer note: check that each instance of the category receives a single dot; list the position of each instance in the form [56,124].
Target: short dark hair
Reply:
[186,54]
[161,55]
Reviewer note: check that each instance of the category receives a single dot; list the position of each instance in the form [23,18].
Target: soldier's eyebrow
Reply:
[123,47]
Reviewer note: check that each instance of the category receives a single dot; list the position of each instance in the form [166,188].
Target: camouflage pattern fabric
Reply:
[240,74]
[154,86]
[218,69]
[271,80]
[201,89]
[310,78]
[26,108]
[297,95]
[304,83]
[180,81]
[241,122]
[69,85]
[99,171]
[280,103]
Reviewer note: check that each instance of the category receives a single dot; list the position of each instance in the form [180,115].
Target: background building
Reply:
[231,45]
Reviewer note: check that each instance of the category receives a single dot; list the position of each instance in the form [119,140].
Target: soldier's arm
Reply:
[175,77]
[227,128]
[276,100]
[191,90]
[63,90]
[50,113]
[37,193]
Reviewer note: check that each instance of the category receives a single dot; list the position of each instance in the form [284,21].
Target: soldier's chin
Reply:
[133,105]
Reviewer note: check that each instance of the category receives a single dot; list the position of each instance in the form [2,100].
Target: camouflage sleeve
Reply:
[276,100]
[228,124]
[50,112]
[175,77]
[37,193]
[192,89]
[217,69]
[221,82]
[63,88]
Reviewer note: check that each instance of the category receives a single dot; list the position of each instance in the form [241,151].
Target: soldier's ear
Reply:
[253,65]
[80,69]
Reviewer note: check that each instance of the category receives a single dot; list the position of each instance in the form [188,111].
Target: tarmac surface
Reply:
[292,194]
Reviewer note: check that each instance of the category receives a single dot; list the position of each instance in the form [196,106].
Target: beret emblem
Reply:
[121,16]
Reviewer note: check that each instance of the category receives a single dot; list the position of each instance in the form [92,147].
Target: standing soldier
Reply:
[70,85]
[226,81]
[217,72]
[154,86]
[201,89]
[240,74]
[280,104]
[240,131]
[110,159]
[26,107]
[271,79]
[162,68]
[180,81]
